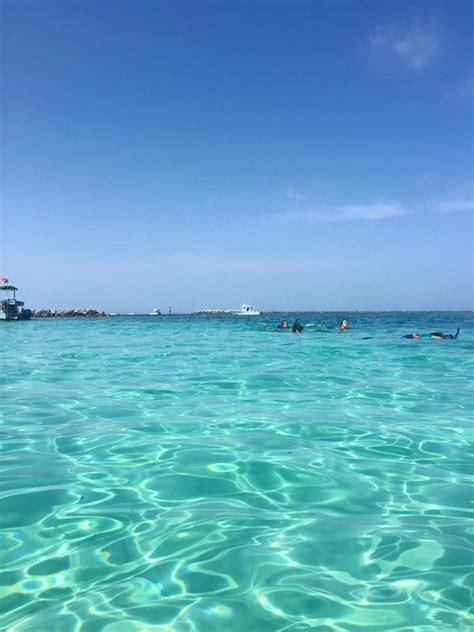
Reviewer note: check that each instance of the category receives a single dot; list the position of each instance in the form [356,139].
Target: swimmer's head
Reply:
[343,324]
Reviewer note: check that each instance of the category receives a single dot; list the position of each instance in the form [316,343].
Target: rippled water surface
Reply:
[207,474]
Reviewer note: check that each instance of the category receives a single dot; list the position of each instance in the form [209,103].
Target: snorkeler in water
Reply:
[283,325]
[434,335]
[343,325]
[297,327]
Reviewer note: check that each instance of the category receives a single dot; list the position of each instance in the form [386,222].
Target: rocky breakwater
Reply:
[66,313]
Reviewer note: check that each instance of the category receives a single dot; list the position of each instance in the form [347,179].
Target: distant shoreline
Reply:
[339,311]
[94,313]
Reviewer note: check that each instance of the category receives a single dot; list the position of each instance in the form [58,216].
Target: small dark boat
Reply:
[10,307]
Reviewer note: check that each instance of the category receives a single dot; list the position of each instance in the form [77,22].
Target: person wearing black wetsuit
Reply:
[434,335]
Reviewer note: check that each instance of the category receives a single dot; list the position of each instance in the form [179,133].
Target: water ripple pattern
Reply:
[189,474]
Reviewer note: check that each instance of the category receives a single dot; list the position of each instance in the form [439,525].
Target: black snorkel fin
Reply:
[297,327]
[457,332]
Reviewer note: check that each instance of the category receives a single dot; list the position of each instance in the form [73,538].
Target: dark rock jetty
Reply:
[65,313]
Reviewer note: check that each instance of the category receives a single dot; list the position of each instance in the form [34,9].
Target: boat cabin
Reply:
[10,307]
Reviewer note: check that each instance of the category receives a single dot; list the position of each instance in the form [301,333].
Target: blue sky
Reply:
[297,155]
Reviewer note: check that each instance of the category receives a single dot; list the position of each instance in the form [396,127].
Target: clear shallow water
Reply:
[205,474]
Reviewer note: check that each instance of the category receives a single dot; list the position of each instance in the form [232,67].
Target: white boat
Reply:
[246,310]
[10,307]
[155,312]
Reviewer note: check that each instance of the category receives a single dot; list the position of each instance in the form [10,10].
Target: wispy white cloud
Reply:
[456,205]
[291,194]
[417,47]
[195,247]
[348,212]
[465,89]
[461,199]
[378,210]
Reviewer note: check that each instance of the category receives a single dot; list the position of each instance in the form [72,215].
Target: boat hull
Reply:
[25,314]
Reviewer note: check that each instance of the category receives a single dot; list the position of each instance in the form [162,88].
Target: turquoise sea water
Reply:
[206,474]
